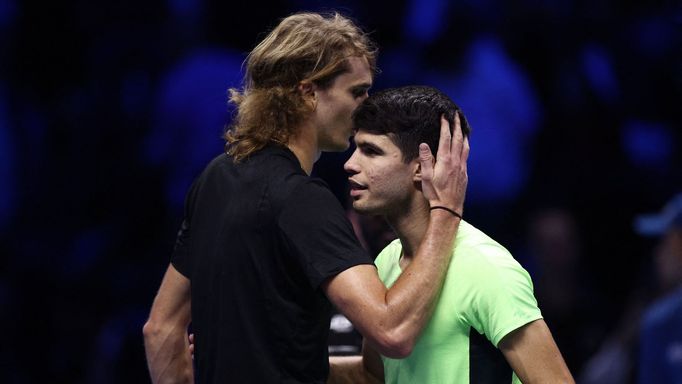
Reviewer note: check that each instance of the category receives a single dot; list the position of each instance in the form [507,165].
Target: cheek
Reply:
[324,108]
[346,108]
[389,182]
[326,104]
[376,181]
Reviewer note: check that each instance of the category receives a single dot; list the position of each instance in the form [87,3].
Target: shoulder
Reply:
[497,291]
[280,168]
[309,204]
[208,175]
[486,270]
[309,191]
[215,165]
[474,248]
[277,172]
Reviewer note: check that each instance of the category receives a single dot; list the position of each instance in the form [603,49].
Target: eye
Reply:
[369,150]
[359,92]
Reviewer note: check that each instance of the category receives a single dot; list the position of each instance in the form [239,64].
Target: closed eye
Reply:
[359,93]
[360,90]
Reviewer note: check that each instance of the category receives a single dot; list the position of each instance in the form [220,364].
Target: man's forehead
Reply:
[360,73]
[362,137]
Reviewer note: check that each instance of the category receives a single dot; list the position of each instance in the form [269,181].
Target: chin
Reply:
[338,143]
[339,147]
[364,209]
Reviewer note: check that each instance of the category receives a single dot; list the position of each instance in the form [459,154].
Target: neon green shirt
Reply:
[486,292]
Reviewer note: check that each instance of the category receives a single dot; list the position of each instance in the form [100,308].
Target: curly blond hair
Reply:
[303,47]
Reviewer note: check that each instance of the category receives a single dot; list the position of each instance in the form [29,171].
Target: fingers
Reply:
[458,139]
[445,141]
[465,150]
[426,161]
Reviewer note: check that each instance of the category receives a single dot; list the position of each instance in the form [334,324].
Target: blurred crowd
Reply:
[109,110]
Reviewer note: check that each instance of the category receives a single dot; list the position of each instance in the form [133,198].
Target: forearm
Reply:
[349,370]
[411,300]
[391,320]
[165,333]
[167,351]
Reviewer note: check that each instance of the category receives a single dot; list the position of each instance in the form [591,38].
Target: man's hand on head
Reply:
[444,181]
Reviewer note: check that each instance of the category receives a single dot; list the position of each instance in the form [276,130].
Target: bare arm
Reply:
[391,320]
[165,333]
[365,369]
[534,356]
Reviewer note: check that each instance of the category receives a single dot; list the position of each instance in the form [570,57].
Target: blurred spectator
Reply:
[497,94]
[566,297]
[660,343]
[614,361]
[190,115]
[660,338]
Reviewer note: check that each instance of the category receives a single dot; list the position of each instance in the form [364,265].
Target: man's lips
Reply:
[355,187]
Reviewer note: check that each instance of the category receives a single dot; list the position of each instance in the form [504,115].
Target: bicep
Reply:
[533,354]
[357,292]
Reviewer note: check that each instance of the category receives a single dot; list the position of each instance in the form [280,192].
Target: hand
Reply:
[444,182]
[191,345]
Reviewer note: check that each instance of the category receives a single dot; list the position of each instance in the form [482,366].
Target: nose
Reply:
[351,166]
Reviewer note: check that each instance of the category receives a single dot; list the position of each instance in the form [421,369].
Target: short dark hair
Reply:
[409,116]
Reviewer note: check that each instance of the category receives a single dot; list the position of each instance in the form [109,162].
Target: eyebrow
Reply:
[362,86]
[365,145]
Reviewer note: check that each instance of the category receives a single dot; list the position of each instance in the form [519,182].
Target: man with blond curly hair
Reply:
[265,250]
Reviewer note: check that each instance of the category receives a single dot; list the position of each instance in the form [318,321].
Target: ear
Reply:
[309,92]
[307,88]
[416,168]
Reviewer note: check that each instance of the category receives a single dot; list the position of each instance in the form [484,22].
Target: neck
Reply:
[304,146]
[410,224]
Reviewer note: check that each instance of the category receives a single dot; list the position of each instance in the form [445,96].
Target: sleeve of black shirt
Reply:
[318,233]
[180,257]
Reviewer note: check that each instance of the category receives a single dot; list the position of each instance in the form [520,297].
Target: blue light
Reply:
[185,8]
[8,12]
[190,116]
[648,144]
[425,19]
[599,72]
